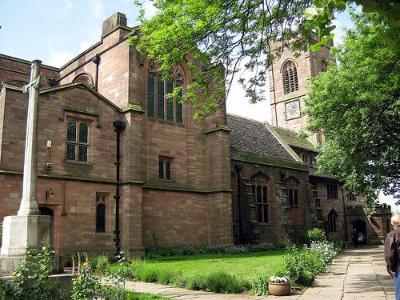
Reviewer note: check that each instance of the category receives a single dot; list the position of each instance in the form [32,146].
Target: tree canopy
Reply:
[216,38]
[356,103]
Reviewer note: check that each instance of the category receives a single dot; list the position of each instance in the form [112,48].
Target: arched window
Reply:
[292,189]
[332,221]
[158,103]
[290,79]
[100,213]
[260,191]
[84,78]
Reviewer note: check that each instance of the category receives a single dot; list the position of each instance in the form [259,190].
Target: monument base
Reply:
[21,233]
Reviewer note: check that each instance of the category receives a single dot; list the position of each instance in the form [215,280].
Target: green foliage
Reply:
[210,272]
[303,264]
[259,285]
[316,235]
[32,279]
[320,15]
[357,105]
[98,263]
[85,283]
[213,37]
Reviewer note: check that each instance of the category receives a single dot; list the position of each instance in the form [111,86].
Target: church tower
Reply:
[289,82]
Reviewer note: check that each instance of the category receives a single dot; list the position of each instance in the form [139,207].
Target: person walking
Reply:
[392,252]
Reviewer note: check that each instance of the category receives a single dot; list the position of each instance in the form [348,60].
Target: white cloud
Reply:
[97,8]
[58,59]
[149,9]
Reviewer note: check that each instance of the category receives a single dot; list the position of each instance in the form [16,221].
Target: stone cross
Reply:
[29,204]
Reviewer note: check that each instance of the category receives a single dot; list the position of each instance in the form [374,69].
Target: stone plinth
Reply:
[19,234]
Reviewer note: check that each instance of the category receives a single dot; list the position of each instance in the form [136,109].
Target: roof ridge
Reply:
[247,119]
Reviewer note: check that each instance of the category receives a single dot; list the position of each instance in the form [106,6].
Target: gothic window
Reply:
[158,103]
[332,191]
[260,192]
[100,213]
[77,141]
[290,79]
[292,188]
[332,221]
[164,167]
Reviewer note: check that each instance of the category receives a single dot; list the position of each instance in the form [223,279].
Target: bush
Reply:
[99,263]
[85,284]
[221,282]
[259,285]
[316,235]
[32,279]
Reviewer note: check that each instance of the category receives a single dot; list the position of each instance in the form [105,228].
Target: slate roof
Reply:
[253,137]
[294,139]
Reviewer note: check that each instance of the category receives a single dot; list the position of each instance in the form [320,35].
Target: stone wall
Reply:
[284,222]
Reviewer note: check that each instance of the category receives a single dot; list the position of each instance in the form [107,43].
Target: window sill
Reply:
[73,162]
[163,121]
[103,234]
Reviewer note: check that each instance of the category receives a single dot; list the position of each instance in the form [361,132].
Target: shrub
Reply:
[99,263]
[221,282]
[32,279]
[84,284]
[259,285]
[316,235]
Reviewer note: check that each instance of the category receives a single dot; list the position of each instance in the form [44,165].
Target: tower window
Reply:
[290,79]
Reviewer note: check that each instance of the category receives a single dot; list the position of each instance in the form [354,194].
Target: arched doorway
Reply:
[361,226]
[46,211]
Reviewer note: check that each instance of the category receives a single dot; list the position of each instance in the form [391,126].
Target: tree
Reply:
[209,34]
[356,103]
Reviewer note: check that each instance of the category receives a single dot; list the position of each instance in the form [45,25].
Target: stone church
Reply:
[220,181]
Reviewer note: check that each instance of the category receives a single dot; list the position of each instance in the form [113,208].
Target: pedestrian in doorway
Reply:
[392,252]
[360,238]
[354,237]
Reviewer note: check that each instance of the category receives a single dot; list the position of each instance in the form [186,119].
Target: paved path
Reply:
[355,274]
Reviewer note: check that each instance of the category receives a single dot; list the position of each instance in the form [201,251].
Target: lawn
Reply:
[142,296]
[243,266]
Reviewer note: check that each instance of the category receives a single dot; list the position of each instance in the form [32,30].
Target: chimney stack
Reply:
[116,20]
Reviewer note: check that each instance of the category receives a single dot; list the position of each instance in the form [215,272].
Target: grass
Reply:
[142,296]
[220,273]
[243,266]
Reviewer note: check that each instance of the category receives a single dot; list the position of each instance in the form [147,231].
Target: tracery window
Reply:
[292,188]
[290,79]
[100,213]
[158,103]
[260,192]
[332,221]
[77,141]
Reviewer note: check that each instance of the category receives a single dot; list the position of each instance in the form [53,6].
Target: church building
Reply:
[220,181]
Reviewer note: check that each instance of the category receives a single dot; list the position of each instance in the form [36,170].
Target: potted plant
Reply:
[279,286]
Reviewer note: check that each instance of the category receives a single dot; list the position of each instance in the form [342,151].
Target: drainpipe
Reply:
[119,127]
[96,60]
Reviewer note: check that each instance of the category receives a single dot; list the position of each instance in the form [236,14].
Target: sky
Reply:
[56,31]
